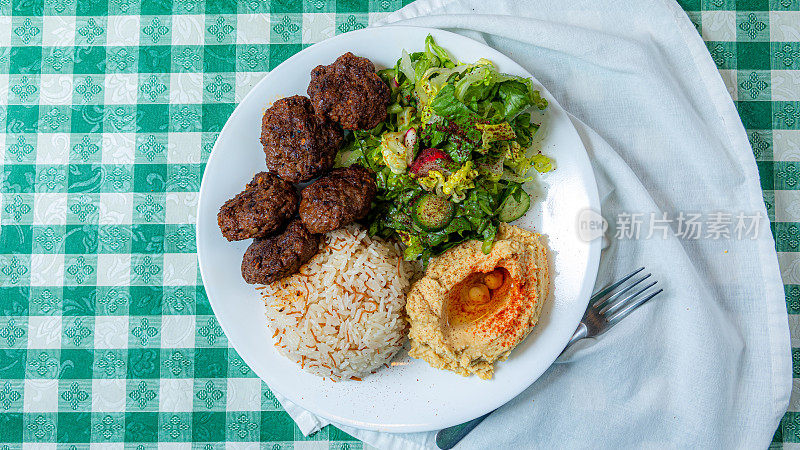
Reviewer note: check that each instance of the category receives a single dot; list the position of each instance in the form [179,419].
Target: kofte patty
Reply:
[262,208]
[298,144]
[270,259]
[341,197]
[349,92]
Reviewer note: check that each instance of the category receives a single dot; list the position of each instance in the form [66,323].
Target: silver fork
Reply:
[606,308]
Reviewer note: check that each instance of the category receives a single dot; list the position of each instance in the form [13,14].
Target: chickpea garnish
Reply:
[479,293]
[493,279]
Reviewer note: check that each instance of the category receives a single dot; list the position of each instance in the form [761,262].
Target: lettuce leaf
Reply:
[542,163]
[447,105]
[414,248]
[495,132]
[478,82]
[407,67]
[524,129]
[488,234]
[436,52]
[515,98]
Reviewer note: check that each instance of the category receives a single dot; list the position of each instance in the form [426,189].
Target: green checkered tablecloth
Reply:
[108,112]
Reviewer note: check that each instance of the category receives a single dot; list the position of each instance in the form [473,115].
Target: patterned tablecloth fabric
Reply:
[108,112]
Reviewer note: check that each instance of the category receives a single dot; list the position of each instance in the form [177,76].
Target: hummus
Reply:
[472,309]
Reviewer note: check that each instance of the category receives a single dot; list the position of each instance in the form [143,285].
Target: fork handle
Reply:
[580,333]
[447,438]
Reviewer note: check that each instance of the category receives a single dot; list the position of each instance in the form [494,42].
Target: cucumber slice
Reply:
[433,213]
[512,208]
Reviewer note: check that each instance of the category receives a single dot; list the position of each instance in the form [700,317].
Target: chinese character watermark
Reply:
[629,226]
[717,225]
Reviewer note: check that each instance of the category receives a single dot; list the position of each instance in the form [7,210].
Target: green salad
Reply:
[453,154]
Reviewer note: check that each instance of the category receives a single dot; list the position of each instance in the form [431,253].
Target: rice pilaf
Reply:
[341,315]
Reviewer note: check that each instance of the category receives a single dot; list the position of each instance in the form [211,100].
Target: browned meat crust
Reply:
[270,259]
[298,144]
[341,197]
[349,92]
[262,208]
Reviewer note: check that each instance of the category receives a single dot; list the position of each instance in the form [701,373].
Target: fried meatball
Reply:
[349,92]
[341,197]
[270,259]
[298,144]
[262,208]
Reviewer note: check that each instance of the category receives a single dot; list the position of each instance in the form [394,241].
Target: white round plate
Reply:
[410,395]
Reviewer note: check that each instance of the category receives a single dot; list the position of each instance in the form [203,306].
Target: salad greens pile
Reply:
[453,154]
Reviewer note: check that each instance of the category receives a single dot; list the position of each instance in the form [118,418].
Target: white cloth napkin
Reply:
[707,364]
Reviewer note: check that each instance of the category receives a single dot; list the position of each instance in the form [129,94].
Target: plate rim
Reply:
[588,281]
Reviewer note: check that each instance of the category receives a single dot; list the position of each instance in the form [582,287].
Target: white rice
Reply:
[341,316]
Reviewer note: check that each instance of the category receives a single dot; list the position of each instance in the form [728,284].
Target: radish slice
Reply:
[410,139]
[430,159]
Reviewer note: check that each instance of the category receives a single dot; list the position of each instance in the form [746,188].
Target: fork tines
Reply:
[616,301]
